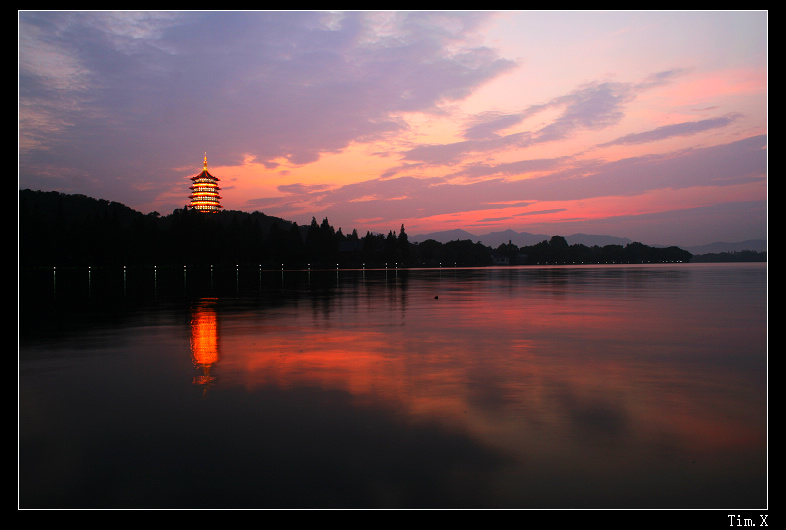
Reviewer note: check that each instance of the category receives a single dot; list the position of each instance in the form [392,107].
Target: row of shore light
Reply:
[237,267]
[54,268]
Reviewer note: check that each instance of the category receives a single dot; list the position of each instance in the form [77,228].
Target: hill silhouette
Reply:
[523,239]
[58,229]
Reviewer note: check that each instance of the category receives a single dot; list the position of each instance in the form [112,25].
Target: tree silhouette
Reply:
[61,229]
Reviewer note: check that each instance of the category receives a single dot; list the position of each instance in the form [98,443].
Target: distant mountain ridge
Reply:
[525,239]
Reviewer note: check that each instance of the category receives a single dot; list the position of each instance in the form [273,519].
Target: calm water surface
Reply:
[553,387]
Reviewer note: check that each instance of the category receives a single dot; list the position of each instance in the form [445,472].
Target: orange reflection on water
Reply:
[361,363]
[204,340]
[532,368]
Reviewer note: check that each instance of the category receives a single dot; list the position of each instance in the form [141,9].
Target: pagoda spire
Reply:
[204,165]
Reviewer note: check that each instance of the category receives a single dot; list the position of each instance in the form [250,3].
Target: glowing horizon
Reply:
[648,125]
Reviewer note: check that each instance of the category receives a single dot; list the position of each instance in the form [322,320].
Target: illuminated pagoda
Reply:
[204,191]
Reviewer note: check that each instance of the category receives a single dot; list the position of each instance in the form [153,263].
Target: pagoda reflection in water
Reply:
[204,341]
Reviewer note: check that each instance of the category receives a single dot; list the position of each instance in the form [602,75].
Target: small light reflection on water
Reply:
[584,387]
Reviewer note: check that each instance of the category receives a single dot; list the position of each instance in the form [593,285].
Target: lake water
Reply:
[641,386]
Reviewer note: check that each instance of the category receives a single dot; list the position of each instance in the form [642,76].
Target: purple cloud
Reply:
[398,198]
[675,129]
[486,125]
[448,154]
[137,92]
[591,107]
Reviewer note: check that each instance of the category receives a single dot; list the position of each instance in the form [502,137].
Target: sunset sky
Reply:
[649,125]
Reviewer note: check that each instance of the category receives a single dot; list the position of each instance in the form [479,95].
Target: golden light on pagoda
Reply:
[204,191]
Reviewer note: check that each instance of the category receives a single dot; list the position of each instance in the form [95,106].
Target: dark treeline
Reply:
[57,229]
[557,251]
[732,257]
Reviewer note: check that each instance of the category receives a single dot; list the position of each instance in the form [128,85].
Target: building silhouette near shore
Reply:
[204,191]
